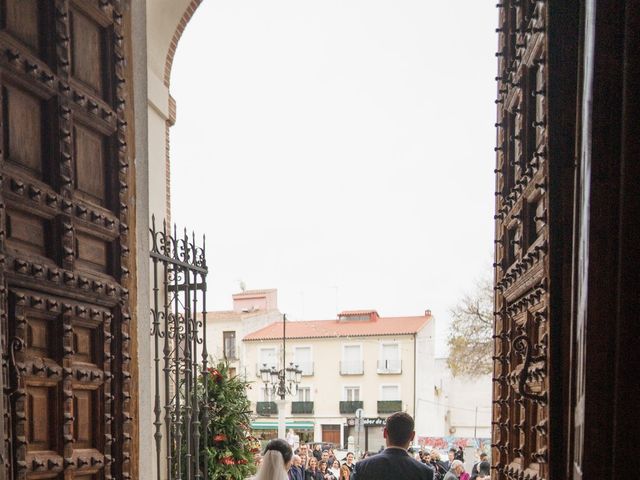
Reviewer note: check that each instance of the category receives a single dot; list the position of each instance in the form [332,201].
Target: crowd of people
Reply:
[319,464]
[281,462]
[453,467]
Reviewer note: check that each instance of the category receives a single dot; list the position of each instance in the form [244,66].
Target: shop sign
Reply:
[369,422]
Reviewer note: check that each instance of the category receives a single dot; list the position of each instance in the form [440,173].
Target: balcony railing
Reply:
[302,407]
[266,408]
[350,406]
[352,368]
[389,366]
[389,406]
[306,367]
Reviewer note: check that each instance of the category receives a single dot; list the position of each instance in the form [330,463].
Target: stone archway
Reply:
[156,30]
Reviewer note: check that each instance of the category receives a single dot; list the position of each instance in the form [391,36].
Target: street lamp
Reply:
[281,382]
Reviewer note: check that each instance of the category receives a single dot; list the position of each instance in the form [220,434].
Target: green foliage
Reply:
[230,449]
[470,343]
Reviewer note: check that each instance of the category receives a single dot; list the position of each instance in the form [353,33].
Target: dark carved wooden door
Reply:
[64,243]
[522,262]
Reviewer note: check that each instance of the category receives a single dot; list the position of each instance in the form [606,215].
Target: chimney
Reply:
[427,313]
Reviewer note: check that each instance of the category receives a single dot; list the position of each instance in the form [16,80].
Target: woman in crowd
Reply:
[276,461]
[437,464]
[345,472]
[326,473]
[313,472]
[317,451]
[335,468]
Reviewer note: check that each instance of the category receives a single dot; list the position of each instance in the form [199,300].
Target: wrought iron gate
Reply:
[179,274]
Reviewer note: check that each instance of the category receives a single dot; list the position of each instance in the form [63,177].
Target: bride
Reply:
[276,461]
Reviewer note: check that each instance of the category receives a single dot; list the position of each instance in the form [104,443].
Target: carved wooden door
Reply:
[64,246]
[522,328]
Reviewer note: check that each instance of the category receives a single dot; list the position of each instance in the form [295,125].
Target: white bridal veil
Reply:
[272,467]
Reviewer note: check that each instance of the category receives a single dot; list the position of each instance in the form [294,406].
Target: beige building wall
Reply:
[252,310]
[328,386]
[241,324]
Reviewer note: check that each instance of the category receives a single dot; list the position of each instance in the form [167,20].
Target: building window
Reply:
[352,394]
[390,392]
[229,345]
[351,363]
[268,359]
[304,394]
[304,359]
[266,394]
[389,361]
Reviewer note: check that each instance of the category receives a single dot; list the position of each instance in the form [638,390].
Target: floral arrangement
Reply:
[230,449]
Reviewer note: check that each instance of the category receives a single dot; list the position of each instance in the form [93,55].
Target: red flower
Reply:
[215,374]
[220,437]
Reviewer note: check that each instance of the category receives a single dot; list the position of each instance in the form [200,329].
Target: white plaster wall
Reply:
[461,396]
[154,24]
[158,108]
[146,464]
[163,17]
[426,415]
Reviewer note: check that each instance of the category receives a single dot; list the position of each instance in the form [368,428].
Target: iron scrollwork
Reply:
[179,328]
[528,369]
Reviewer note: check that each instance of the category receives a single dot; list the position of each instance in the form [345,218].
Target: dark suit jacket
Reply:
[391,464]
[296,473]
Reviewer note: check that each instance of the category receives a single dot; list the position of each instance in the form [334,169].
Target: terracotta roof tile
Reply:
[346,313]
[341,328]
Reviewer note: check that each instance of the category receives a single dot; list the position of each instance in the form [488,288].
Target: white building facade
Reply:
[360,361]
[463,403]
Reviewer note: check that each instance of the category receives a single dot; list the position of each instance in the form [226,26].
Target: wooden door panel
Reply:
[87,39]
[64,280]
[24,114]
[28,232]
[41,410]
[93,253]
[63,404]
[90,164]
[22,21]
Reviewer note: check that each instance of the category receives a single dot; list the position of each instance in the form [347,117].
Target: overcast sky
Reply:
[340,151]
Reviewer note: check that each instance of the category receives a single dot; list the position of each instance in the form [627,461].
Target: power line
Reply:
[451,407]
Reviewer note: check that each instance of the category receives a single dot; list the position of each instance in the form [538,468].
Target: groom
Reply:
[394,462]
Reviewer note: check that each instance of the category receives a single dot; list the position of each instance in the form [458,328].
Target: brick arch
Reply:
[184,21]
[168,65]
